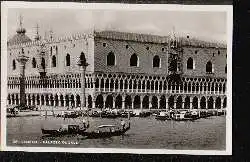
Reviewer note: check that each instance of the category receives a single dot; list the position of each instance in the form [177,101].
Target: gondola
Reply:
[68,130]
[99,133]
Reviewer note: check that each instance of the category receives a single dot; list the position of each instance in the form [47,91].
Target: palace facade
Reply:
[126,70]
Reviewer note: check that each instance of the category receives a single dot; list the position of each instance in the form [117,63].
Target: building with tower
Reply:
[122,70]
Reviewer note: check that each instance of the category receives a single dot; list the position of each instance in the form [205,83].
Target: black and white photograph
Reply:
[117,78]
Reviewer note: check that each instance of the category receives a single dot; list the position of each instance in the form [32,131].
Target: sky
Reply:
[204,25]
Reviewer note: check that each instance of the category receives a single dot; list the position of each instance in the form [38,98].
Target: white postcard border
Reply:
[109,6]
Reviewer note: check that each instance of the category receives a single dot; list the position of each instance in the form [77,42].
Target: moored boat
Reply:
[65,130]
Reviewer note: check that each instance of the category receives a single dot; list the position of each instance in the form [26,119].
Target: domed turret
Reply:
[20,37]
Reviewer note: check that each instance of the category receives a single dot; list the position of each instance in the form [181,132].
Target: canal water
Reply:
[145,133]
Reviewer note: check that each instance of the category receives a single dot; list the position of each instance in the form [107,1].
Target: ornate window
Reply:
[209,67]
[156,61]
[14,65]
[190,63]
[53,61]
[33,63]
[111,59]
[67,60]
[134,60]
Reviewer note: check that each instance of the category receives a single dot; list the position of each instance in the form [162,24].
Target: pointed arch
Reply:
[190,63]
[195,103]
[53,61]
[99,101]
[90,102]
[209,67]
[137,102]
[67,60]
[156,61]
[203,103]
[210,103]
[134,60]
[171,102]
[118,102]
[145,102]
[162,102]
[111,59]
[179,103]
[218,103]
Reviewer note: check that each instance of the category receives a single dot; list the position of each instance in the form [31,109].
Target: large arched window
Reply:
[43,63]
[53,61]
[67,60]
[209,67]
[33,63]
[134,61]
[156,61]
[111,59]
[14,65]
[82,59]
[190,63]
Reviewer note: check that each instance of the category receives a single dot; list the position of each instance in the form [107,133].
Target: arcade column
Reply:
[22,59]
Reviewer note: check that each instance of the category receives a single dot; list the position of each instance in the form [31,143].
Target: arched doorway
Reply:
[154,102]
[218,103]
[179,103]
[187,103]
[162,102]
[195,103]
[118,102]
[203,103]
[171,102]
[109,102]
[210,103]
[137,102]
[145,102]
[99,101]
[89,101]
[72,99]
[128,102]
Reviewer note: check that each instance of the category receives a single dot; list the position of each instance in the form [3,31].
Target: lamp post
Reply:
[22,59]
[83,64]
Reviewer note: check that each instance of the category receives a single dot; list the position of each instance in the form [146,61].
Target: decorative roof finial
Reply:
[21,30]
